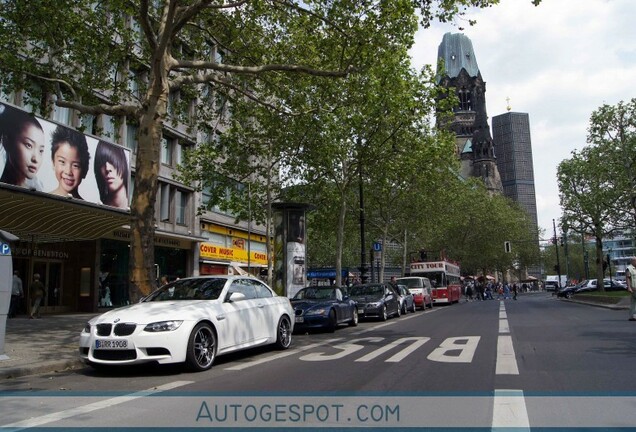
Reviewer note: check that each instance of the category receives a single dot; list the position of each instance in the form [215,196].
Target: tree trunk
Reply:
[142,240]
[599,263]
[340,236]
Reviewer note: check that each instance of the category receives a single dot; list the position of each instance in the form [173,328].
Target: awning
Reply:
[40,217]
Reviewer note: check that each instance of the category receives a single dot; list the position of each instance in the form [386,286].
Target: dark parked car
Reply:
[568,291]
[591,285]
[377,300]
[407,300]
[323,308]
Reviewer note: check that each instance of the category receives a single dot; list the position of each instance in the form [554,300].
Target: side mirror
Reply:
[236,296]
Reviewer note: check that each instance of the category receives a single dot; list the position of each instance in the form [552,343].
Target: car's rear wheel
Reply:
[283,333]
[355,318]
[201,347]
[404,309]
[413,307]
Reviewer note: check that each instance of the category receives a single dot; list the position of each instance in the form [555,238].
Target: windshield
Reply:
[189,289]
[367,290]
[314,294]
[411,283]
[437,279]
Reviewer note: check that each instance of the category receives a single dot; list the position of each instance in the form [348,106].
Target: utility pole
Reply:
[556,247]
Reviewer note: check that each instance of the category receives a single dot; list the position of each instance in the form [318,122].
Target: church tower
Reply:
[470,121]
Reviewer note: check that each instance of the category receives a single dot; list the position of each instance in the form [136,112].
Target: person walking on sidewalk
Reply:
[37,294]
[630,277]
[16,294]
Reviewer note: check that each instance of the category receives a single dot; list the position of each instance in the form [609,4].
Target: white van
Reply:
[421,289]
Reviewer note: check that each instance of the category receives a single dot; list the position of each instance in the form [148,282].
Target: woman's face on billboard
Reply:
[67,167]
[113,179]
[29,150]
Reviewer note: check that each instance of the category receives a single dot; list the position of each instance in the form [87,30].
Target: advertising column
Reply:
[6,282]
[290,240]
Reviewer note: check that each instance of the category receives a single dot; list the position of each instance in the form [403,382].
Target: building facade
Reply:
[511,137]
[78,242]
[470,120]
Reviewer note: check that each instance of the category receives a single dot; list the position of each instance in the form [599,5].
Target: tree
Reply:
[589,198]
[187,60]
[613,131]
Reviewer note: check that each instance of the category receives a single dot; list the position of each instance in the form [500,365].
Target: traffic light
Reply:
[507,247]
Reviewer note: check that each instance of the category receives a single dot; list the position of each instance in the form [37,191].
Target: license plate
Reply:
[300,319]
[111,344]
[360,310]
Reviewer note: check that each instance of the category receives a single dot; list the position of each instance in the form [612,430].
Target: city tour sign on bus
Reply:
[43,156]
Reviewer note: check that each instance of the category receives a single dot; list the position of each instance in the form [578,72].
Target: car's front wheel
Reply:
[384,316]
[283,333]
[201,347]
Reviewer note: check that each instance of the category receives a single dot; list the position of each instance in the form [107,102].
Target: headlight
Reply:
[87,328]
[162,326]
[317,311]
[375,304]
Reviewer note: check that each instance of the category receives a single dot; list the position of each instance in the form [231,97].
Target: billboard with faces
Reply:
[43,156]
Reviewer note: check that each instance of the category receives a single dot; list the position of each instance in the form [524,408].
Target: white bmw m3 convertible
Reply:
[190,321]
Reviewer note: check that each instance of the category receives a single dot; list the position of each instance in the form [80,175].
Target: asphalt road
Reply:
[533,362]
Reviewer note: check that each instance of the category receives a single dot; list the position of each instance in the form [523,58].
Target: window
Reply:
[164,205]
[173,100]
[181,200]
[61,114]
[108,127]
[88,123]
[132,137]
[166,151]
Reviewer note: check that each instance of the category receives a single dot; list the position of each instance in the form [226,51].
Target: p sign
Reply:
[5,249]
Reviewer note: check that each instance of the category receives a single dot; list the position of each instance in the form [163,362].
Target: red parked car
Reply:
[421,288]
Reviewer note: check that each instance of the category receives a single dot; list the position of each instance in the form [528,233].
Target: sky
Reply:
[558,62]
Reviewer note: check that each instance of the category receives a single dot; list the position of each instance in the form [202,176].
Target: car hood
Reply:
[308,304]
[147,312]
[366,299]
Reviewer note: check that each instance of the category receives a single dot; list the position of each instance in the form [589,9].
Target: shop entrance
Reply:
[51,276]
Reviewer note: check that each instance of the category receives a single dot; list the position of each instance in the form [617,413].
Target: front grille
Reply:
[125,329]
[115,354]
[104,329]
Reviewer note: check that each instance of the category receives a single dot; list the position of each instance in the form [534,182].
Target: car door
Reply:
[242,323]
[343,311]
[269,310]
[391,299]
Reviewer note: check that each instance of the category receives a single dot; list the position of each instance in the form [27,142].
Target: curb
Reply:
[41,368]
[601,305]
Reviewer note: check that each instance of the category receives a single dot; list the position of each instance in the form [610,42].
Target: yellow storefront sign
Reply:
[211,251]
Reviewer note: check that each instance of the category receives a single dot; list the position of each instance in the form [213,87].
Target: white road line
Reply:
[85,409]
[503,326]
[280,355]
[509,410]
[503,315]
[506,360]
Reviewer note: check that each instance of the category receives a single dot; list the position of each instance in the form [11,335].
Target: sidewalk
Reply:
[43,345]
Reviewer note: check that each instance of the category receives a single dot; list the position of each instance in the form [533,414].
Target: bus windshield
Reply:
[438,279]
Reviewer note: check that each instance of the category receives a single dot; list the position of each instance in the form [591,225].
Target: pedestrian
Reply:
[514,291]
[37,295]
[630,278]
[469,293]
[16,294]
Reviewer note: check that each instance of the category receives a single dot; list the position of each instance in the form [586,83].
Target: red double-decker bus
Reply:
[444,276]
